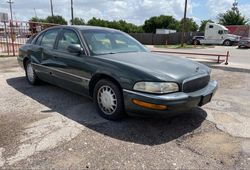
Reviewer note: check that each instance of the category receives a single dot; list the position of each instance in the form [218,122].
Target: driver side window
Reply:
[68,37]
[220,32]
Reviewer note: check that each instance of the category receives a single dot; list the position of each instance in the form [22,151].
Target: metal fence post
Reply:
[226,63]
[218,61]
[12,37]
[6,36]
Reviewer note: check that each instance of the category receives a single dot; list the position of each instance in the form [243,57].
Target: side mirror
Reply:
[74,48]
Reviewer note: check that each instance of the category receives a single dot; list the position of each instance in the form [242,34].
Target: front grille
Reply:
[195,84]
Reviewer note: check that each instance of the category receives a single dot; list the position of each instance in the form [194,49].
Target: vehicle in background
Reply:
[217,34]
[196,40]
[244,42]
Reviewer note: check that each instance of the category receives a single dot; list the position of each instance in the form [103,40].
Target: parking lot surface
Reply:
[48,127]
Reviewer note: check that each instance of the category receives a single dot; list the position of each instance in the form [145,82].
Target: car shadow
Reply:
[146,131]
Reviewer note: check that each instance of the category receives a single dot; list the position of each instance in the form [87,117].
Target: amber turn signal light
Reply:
[149,105]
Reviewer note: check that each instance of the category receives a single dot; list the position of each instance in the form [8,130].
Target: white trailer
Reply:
[218,35]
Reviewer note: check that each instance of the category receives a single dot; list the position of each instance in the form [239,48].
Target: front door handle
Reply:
[55,57]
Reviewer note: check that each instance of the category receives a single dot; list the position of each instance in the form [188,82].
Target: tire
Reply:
[31,74]
[104,92]
[227,43]
[197,42]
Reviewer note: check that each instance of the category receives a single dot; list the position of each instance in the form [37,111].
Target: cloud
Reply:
[135,11]
[244,9]
[219,6]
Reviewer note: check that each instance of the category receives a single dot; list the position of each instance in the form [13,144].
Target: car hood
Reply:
[163,67]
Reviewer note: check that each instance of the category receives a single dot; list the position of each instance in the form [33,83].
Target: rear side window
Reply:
[39,39]
[68,37]
[49,38]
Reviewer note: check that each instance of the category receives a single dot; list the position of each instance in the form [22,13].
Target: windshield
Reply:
[225,31]
[110,42]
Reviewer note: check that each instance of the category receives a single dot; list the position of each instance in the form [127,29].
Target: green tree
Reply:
[97,22]
[232,17]
[36,19]
[78,21]
[158,22]
[191,25]
[57,19]
[120,25]
[203,25]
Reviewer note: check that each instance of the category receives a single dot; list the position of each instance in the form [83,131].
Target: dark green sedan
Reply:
[119,73]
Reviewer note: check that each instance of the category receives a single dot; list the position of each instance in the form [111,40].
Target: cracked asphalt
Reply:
[48,127]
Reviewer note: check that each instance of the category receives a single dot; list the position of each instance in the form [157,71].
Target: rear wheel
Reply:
[30,74]
[109,100]
[197,42]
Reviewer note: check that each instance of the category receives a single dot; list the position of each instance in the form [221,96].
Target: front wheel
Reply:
[109,100]
[227,43]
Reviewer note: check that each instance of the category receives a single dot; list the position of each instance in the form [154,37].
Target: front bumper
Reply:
[20,61]
[176,102]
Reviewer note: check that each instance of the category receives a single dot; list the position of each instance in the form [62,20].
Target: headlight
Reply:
[156,87]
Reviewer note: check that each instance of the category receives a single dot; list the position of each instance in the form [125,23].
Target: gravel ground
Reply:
[48,127]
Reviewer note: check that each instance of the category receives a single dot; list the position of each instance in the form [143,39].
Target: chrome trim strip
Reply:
[83,78]
[168,97]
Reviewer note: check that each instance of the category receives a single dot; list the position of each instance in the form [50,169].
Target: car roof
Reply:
[85,27]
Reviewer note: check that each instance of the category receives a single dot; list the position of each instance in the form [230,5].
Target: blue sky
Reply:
[209,9]
[135,11]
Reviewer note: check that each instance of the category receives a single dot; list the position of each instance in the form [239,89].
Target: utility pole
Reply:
[35,12]
[51,8]
[72,13]
[184,24]
[235,6]
[10,2]
[12,34]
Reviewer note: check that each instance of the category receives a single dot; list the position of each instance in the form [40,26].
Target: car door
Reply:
[43,59]
[71,69]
